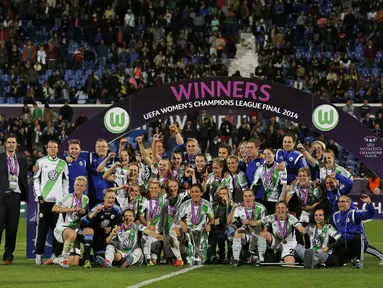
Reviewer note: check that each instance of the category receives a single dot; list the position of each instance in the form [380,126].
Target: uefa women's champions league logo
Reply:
[371,150]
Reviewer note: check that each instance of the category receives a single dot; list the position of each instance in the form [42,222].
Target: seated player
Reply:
[192,218]
[245,215]
[71,208]
[321,250]
[282,236]
[123,245]
[100,221]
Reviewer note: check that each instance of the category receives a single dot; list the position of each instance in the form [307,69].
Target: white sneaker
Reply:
[39,259]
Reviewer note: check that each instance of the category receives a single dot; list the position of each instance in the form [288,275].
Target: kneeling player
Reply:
[98,224]
[246,215]
[122,243]
[282,236]
[71,208]
[191,218]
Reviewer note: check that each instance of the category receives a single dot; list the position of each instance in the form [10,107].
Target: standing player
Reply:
[245,216]
[192,218]
[122,243]
[273,179]
[50,184]
[71,208]
[253,162]
[97,185]
[76,162]
[292,158]
[155,205]
[308,192]
[100,221]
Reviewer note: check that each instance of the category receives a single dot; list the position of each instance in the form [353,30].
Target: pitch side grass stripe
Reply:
[167,276]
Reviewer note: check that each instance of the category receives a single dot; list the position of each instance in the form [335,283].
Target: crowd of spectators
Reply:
[61,51]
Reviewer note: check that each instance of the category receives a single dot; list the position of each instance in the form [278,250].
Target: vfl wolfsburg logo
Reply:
[325,117]
[116,120]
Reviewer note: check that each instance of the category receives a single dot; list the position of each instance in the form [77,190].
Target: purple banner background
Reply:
[31,230]
[140,105]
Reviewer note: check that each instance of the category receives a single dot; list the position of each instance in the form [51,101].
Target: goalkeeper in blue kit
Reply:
[102,218]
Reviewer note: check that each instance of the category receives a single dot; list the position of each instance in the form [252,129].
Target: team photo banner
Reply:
[242,96]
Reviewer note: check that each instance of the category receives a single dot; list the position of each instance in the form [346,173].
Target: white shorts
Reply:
[138,256]
[59,233]
[305,217]
[287,249]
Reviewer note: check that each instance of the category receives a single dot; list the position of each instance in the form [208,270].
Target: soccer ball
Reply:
[376,191]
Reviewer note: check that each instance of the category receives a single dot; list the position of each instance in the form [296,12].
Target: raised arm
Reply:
[173,129]
[156,138]
[143,153]
[101,167]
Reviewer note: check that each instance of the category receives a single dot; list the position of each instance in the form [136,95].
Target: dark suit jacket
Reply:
[4,180]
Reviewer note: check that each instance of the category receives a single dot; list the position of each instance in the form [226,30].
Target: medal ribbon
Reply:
[283,230]
[153,212]
[14,169]
[134,206]
[268,174]
[332,171]
[252,212]
[78,202]
[304,193]
[195,217]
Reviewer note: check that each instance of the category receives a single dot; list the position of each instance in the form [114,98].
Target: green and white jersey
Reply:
[278,232]
[51,181]
[172,206]
[127,238]
[323,172]
[319,238]
[200,214]
[256,212]
[154,169]
[178,174]
[272,181]
[154,211]
[307,195]
[240,181]
[72,219]
[213,183]
[138,206]
[145,173]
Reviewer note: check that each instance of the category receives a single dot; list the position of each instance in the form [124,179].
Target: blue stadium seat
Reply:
[2,100]
[351,94]
[20,100]
[11,100]
[6,78]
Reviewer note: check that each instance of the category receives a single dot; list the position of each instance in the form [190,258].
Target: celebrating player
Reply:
[123,243]
[100,221]
[192,218]
[245,216]
[282,235]
[71,208]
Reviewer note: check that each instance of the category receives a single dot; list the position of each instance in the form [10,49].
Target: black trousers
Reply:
[45,219]
[9,221]
[218,237]
[352,249]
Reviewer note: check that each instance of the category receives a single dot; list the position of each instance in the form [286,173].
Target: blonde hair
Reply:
[81,178]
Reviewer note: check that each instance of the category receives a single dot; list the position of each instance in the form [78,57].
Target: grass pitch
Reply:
[25,274]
